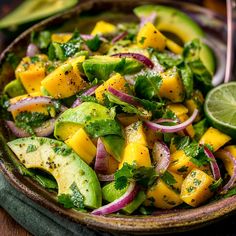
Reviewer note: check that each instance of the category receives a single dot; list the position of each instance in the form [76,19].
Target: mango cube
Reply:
[103,27]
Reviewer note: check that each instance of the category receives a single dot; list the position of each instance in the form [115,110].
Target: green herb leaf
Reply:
[42,39]
[168,178]
[31,148]
[213,187]
[62,150]
[200,128]
[94,43]
[147,86]
[168,60]
[181,142]
[13,59]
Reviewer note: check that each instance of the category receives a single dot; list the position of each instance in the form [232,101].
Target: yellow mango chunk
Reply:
[172,86]
[214,138]
[134,133]
[227,163]
[173,47]
[162,196]
[136,153]
[178,109]
[150,36]
[82,145]
[117,81]
[61,37]
[64,81]
[179,181]
[180,163]
[103,27]
[31,107]
[196,188]
[31,73]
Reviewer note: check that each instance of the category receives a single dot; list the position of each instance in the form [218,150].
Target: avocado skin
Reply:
[101,67]
[14,89]
[110,194]
[93,117]
[67,168]
[172,20]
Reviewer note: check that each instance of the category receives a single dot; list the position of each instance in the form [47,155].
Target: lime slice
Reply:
[220,108]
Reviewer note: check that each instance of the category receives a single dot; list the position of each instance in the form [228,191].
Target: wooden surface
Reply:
[9,227]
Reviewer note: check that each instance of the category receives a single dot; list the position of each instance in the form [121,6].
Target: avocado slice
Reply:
[59,160]
[14,88]
[114,145]
[34,10]
[101,67]
[110,194]
[96,119]
[178,23]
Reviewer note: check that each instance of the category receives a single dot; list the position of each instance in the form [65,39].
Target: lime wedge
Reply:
[220,108]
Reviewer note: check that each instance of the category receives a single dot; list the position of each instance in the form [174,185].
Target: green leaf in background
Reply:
[32,10]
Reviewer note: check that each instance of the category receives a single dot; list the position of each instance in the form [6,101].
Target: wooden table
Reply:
[9,227]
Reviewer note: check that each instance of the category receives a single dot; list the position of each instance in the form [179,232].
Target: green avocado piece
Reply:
[171,20]
[114,145]
[57,159]
[34,10]
[96,119]
[110,194]
[101,67]
[14,88]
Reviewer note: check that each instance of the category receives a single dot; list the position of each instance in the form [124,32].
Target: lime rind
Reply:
[220,108]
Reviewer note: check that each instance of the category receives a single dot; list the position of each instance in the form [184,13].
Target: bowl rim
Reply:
[178,220]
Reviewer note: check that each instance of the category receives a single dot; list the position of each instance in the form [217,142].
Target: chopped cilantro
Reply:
[213,187]
[183,169]
[191,189]
[94,43]
[31,148]
[168,178]
[62,150]
[144,176]
[141,41]
[181,142]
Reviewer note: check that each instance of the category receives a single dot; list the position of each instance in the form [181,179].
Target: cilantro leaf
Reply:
[213,187]
[74,200]
[147,85]
[144,176]
[42,39]
[168,60]
[168,178]
[94,43]
[181,142]
[200,128]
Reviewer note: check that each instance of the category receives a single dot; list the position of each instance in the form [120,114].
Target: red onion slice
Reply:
[214,166]
[123,96]
[105,178]
[165,120]
[32,50]
[231,182]
[88,92]
[119,37]
[161,156]
[101,161]
[174,128]
[46,129]
[139,57]
[119,203]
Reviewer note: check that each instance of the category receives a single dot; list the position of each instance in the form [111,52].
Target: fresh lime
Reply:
[220,108]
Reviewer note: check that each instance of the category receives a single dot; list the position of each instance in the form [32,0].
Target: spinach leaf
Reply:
[148,85]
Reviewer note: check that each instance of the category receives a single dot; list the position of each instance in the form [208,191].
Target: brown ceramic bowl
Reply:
[83,17]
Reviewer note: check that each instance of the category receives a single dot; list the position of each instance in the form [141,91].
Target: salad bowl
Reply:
[84,17]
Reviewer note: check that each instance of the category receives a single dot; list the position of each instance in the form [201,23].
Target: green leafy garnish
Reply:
[94,43]
[13,59]
[144,176]
[181,142]
[41,39]
[74,200]
[213,187]
[200,128]
[168,178]
[62,150]
[168,60]
[31,148]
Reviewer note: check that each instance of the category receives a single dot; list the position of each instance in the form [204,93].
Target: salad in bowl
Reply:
[124,119]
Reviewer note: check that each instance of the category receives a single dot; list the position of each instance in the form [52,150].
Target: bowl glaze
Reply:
[83,17]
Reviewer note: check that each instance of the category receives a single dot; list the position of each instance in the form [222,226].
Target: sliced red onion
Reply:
[105,178]
[101,161]
[231,182]
[119,37]
[45,130]
[139,57]
[174,128]
[149,18]
[119,203]
[214,166]
[38,100]
[123,96]
[161,156]
[32,50]
[88,92]
[165,120]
